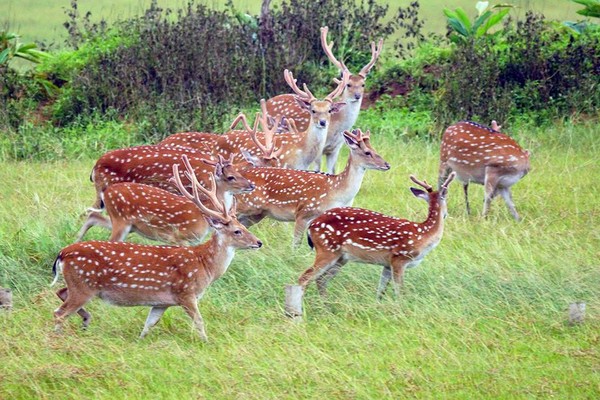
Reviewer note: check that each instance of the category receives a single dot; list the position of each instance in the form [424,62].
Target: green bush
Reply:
[186,71]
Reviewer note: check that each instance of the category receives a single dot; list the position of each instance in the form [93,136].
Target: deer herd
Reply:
[195,184]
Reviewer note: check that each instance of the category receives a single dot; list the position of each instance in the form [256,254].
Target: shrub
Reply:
[185,71]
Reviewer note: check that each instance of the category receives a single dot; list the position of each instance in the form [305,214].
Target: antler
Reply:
[327,48]
[268,149]
[448,180]
[211,193]
[305,95]
[341,85]
[358,135]
[242,118]
[423,184]
[375,52]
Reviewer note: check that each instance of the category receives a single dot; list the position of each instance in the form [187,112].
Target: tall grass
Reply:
[482,317]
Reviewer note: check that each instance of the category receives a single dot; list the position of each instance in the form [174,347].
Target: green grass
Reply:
[484,316]
[42,19]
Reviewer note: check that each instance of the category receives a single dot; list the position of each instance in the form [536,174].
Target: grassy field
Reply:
[484,316]
[42,19]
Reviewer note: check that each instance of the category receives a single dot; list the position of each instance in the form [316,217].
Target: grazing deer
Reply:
[158,214]
[298,148]
[485,156]
[127,274]
[355,234]
[352,95]
[301,196]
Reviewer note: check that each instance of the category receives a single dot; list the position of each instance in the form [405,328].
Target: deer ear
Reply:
[218,170]
[351,142]
[336,107]
[420,194]
[304,104]
[214,222]
[250,158]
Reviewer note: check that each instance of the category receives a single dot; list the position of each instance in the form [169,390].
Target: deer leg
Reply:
[120,230]
[191,308]
[85,316]
[323,279]
[94,218]
[302,222]
[294,293]
[153,318]
[250,220]
[323,262]
[466,190]
[386,275]
[331,159]
[398,267]
[72,304]
[506,195]
[490,187]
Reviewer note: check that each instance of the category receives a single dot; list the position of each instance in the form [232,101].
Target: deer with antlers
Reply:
[484,156]
[352,95]
[301,196]
[297,148]
[151,165]
[355,234]
[127,274]
[161,215]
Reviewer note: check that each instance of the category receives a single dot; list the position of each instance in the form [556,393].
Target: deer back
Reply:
[202,141]
[469,148]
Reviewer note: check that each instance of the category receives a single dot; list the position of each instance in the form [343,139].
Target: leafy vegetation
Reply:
[592,8]
[487,17]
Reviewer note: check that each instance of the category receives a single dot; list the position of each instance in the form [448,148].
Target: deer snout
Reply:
[250,187]
[357,96]
[386,166]
[322,123]
[258,244]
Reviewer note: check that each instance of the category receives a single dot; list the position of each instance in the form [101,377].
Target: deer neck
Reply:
[346,118]
[347,184]
[215,255]
[225,196]
[434,224]
[310,145]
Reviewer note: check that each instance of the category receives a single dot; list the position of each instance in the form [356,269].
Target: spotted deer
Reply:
[127,274]
[301,196]
[298,147]
[352,95]
[161,215]
[151,165]
[355,234]
[484,156]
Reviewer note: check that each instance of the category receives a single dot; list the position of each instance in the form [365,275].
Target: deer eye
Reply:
[363,85]
[348,85]
[313,111]
[368,153]
[238,233]
[231,178]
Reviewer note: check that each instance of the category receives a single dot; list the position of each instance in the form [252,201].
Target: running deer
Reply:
[485,156]
[301,196]
[161,215]
[127,274]
[355,234]
[352,95]
[298,148]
